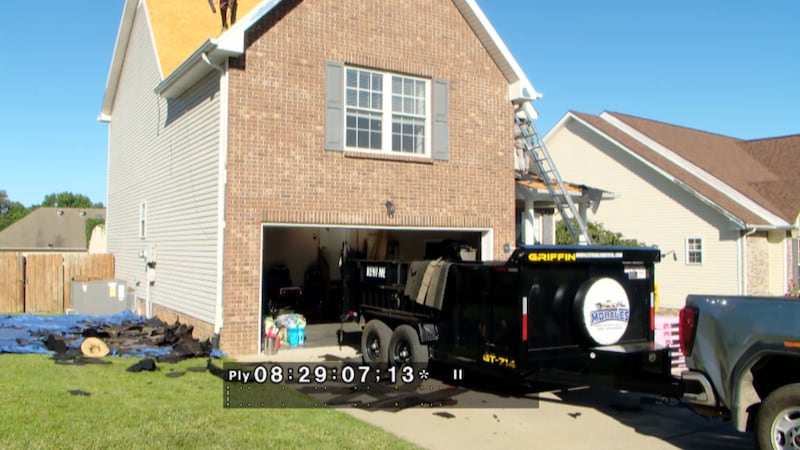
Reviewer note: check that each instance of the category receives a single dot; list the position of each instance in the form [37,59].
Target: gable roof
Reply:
[188,43]
[45,229]
[748,181]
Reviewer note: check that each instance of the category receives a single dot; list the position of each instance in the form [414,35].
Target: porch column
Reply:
[528,223]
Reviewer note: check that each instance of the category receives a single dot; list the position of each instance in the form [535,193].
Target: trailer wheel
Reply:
[405,347]
[375,342]
[778,419]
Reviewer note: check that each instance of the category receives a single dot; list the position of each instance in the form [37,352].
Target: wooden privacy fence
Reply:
[39,283]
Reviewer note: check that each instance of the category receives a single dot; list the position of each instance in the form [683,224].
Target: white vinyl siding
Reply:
[142,220]
[166,153]
[653,210]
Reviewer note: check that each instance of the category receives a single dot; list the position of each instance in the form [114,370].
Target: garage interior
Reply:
[300,265]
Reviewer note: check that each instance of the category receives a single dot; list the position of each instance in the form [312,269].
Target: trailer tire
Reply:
[778,417]
[375,342]
[405,347]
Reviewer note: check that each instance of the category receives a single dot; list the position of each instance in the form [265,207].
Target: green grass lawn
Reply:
[151,410]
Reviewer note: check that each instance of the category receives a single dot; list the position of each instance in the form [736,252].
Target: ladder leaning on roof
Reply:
[526,132]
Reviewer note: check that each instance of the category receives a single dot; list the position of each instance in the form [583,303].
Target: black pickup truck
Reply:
[577,314]
[743,355]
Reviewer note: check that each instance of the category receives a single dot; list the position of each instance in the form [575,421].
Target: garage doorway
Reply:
[300,264]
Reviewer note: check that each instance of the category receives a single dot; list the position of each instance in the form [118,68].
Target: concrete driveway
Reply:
[580,418]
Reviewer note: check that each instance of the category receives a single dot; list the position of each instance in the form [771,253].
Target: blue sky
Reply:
[730,67]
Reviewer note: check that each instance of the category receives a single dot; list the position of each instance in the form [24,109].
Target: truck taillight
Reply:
[687,329]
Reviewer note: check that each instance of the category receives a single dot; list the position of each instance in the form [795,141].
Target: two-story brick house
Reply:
[307,124]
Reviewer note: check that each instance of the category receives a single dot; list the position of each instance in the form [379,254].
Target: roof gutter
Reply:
[199,64]
[212,54]
[785,227]
[46,249]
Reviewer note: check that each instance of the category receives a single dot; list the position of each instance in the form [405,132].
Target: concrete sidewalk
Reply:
[583,418]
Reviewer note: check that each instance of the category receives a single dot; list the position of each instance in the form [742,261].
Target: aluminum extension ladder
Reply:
[527,133]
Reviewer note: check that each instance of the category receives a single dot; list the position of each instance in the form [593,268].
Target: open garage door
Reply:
[300,264]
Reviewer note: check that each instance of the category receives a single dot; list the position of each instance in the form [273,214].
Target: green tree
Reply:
[12,212]
[597,232]
[69,200]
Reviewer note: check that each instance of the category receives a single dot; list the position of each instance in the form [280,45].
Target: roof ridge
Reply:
[773,138]
[621,116]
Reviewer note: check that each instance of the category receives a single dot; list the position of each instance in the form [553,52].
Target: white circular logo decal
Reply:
[606,311]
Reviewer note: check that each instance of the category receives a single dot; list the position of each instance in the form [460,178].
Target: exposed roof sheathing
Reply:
[188,34]
[180,27]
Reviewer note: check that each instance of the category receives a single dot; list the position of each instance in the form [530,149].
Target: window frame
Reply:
[388,115]
[691,250]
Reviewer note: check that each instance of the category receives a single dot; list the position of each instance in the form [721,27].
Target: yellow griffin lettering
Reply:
[552,257]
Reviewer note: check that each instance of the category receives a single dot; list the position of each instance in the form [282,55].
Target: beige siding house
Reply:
[295,132]
[722,210]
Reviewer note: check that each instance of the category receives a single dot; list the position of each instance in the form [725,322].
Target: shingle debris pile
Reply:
[125,334]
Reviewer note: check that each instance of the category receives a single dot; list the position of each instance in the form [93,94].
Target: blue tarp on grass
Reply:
[26,333]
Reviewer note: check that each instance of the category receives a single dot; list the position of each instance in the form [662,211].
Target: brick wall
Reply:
[278,170]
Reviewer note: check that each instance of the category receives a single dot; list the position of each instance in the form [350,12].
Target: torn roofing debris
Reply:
[125,334]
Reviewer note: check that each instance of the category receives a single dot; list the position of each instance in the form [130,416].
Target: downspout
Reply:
[221,183]
[741,254]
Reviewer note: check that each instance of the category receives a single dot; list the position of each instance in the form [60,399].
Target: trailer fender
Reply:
[427,332]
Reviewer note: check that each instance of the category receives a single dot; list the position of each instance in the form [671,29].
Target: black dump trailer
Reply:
[570,314]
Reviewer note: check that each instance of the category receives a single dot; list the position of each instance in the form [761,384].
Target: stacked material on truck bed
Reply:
[426,282]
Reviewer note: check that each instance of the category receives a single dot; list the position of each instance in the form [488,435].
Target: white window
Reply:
[387,112]
[694,250]
[142,220]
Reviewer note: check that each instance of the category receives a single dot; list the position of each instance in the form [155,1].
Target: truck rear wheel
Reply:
[778,419]
[375,342]
[405,347]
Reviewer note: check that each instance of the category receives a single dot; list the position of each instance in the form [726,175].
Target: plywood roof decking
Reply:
[180,27]
[538,184]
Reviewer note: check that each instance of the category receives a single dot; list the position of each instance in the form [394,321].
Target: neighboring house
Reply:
[722,210]
[49,229]
[386,125]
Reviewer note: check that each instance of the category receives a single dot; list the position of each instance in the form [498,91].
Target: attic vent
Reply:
[83,213]
[60,212]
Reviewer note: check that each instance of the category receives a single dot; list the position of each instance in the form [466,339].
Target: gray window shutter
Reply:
[441,120]
[334,105]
